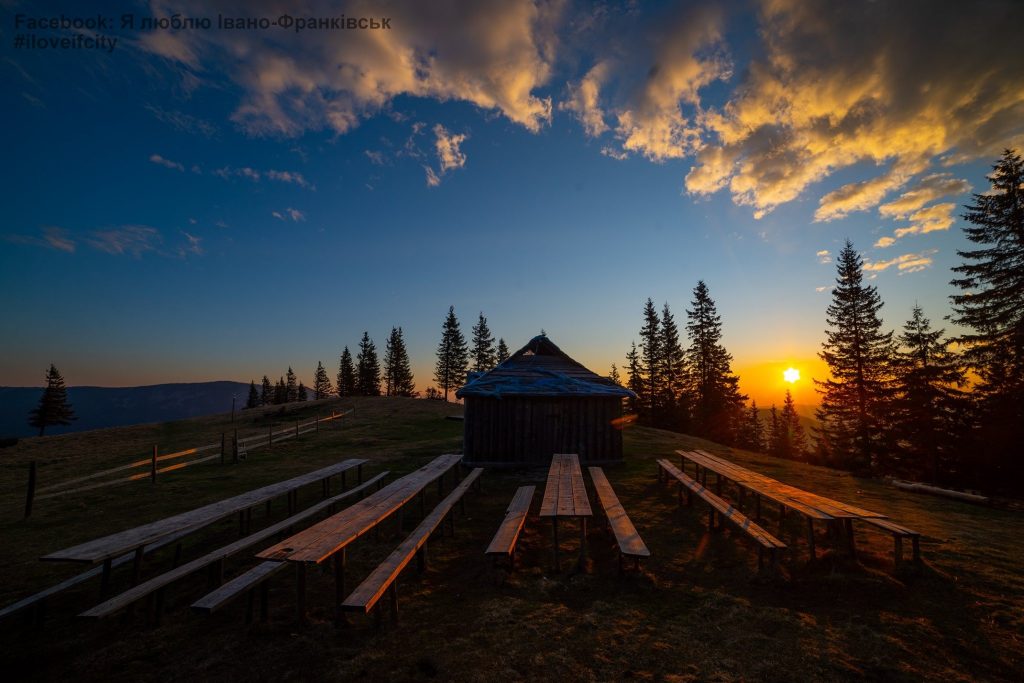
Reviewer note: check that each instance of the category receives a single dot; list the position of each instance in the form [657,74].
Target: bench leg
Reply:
[554,531]
[343,484]
[393,590]
[898,549]
[250,599]
[300,592]
[137,566]
[757,508]
[711,519]
[264,600]
[848,527]
[915,541]
[339,586]
[423,503]
[810,537]
[359,473]
[105,578]
[583,540]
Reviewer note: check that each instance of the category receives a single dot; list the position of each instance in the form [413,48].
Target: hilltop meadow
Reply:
[697,610]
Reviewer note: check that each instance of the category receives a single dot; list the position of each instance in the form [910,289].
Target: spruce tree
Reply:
[614,375]
[717,401]
[636,378]
[753,431]
[482,354]
[53,408]
[280,392]
[650,359]
[992,308]
[266,392]
[302,394]
[674,413]
[502,353]
[792,441]
[367,368]
[398,380]
[452,355]
[321,382]
[254,396]
[929,408]
[291,388]
[346,375]
[774,437]
[855,399]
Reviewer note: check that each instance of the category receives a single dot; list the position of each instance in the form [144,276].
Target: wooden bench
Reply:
[217,557]
[382,579]
[247,581]
[629,541]
[898,534]
[721,508]
[504,541]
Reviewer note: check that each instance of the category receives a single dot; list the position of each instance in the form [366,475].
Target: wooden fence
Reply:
[236,448]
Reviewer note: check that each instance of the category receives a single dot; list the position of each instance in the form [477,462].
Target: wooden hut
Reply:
[537,403]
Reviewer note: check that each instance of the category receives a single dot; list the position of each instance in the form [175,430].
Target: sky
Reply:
[223,203]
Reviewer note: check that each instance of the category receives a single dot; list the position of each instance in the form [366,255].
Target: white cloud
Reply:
[863,195]
[583,100]
[824,256]
[449,154]
[929,219]
[53,238]
[432,179]
[928,189]
[884,242]
[905,263]
[494,54]
[194,245]
[255,175]
[126,239]
[167,163]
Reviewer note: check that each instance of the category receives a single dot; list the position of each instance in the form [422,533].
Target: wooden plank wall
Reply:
[526,431]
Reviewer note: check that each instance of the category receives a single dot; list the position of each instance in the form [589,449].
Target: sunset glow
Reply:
[791,375]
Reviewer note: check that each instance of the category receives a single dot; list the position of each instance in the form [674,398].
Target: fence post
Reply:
[30,494]
[235,448]
[152,465]
[222,448]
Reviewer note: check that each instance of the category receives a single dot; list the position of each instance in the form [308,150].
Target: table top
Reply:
[320,541]
[121,542]
[806,502]
[565,494]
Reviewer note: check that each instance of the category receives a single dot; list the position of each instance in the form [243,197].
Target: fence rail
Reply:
[245,444]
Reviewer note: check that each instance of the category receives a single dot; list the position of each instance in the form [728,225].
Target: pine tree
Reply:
[929,408]
[281,392]
[636,379]
[753,431]
[53,408]
[614,375]
[321,383]
[672,369]
[483,355]
[792,441]
[717,401]
[291,388]
[772,442]
[452,355]
[502,354]
[367,368]
[266,392]
[992,307]
[254,397]
[302,394]
[855,400]
[346,375]
[398,380]
[650,364]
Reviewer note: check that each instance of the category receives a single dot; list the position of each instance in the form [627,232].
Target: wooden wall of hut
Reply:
[519,430]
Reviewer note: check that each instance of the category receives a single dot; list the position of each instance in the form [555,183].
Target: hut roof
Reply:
[540,369]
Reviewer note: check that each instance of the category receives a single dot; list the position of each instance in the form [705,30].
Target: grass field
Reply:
[697,611]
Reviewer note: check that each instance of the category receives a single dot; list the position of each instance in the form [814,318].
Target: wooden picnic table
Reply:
[836,514]
[330,537]
[107,548]
[565,496]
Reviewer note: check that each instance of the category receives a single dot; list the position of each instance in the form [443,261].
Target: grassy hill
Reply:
[697,611]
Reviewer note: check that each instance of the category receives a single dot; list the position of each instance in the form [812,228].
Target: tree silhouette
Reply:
[291,388]
[254,396]
[855,400]
[502,353]
[482,354]
[321,382]
[280,392]
[650,364]
[367,368]
[53,408]
[398,380]
[452,355]
[674,406]
[992,307]
[346,375]
[792,441]
[266,392]
[636,378]
[301,394]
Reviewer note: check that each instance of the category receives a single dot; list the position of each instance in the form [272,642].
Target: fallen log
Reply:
[936,491]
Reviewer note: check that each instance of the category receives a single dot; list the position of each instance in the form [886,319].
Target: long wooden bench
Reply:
[504,542]
[248,581]
[382,579]
[721,508]
[628,539]
[218,556]
[898,534]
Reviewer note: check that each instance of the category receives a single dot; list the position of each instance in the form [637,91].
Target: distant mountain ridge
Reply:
[98,407]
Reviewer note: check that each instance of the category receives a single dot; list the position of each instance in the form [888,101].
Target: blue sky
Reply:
[223,204]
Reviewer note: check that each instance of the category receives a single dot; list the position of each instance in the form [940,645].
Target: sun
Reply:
[791,375]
